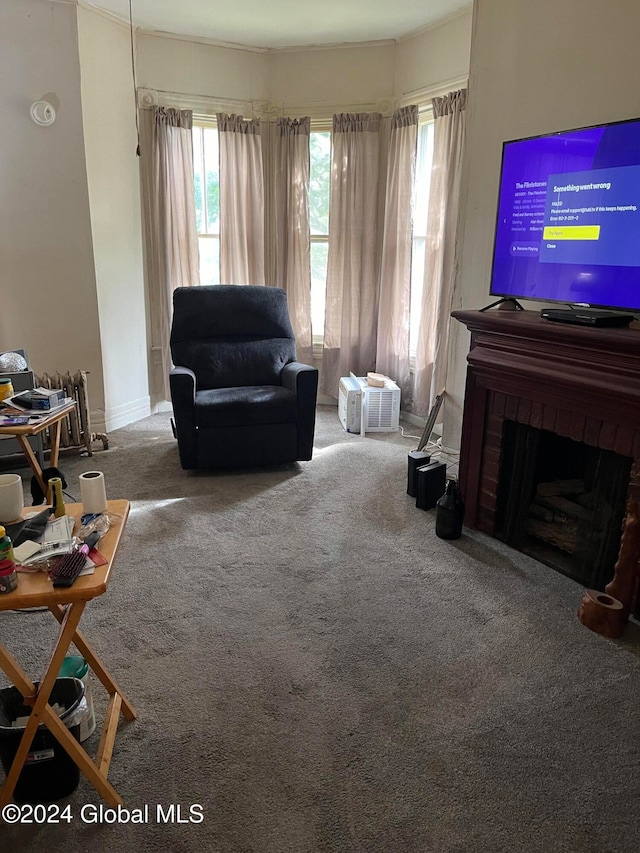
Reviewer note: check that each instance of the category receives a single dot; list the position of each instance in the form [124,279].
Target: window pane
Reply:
[417,278]
[319,254]
[212,166]
[423,178]
[421,189]
[209,260]
[319,178]
[198,176]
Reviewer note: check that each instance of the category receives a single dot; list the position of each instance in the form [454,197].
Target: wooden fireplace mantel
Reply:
[599,369]
[576,381]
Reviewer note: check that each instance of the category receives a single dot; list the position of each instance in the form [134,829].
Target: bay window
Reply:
[207,201]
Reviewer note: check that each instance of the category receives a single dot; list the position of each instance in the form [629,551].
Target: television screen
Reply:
[568,222]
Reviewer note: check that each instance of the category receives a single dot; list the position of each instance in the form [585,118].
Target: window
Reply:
[207,199]
[319,182]
[207,195]
[421,186]
[319,186]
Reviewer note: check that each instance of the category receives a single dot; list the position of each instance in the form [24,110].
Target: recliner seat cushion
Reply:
[264,404]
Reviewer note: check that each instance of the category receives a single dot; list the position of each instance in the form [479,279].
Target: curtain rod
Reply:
[259,108]
[205,105]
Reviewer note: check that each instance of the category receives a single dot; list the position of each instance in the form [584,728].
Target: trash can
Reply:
[75,666]
[49,773]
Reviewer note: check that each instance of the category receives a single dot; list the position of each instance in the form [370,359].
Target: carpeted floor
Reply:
[319,672]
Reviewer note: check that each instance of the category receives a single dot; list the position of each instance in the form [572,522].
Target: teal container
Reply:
[75,666]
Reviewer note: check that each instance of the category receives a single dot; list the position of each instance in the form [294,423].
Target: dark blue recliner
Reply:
[239,396]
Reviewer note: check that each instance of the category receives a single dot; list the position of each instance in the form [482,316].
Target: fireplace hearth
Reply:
[550,454]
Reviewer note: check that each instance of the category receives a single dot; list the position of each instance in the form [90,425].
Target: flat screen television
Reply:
[568,220]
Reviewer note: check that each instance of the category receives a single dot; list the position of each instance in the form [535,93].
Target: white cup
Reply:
[11,498]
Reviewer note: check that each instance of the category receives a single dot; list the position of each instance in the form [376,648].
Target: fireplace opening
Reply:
[562,502]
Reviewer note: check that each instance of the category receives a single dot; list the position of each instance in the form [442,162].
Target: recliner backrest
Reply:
[232,335]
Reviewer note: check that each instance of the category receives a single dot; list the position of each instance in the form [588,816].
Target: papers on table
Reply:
[25,550]
[18,405]
[57,539]
[15,420]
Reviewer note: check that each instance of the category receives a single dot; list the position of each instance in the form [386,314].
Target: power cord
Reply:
[406,434]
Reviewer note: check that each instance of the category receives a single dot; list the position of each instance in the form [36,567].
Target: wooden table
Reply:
[22,433]
[67,606]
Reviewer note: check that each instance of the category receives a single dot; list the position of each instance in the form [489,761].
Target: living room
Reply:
[74,296]
[93,160]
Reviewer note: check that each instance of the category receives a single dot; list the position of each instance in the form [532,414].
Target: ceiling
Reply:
[284,23]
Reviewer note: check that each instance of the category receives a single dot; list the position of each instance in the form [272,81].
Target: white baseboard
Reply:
[119,416]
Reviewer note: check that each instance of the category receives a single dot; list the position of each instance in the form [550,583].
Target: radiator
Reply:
[75,428]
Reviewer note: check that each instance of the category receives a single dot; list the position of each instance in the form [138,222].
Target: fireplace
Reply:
[562,502]
[552,408]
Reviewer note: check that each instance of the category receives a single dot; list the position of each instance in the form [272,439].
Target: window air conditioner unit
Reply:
[363,408]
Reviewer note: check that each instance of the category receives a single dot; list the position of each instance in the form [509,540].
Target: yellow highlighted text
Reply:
[571,232]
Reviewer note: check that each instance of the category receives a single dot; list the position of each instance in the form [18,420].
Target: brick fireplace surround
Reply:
[578,382]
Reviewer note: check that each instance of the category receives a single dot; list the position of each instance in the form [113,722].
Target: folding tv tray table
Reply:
[67,606]
[45,420]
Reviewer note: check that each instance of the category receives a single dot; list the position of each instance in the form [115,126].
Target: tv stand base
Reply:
[506,303]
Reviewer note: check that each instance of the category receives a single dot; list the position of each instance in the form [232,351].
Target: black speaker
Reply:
[431,484]
[415,459]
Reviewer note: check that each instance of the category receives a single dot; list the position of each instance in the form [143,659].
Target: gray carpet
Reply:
[320,672]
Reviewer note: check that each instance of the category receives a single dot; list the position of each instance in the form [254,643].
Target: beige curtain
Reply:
[353,268]
[170,235]
[241,201]
[392,357]
[440,252]
[290,225]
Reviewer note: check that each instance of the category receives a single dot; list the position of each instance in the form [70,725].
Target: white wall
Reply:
[290,80]
[535,68]
[306,81]
[114,198]
[295,81]
[193,68]
[48,301]
[434,57]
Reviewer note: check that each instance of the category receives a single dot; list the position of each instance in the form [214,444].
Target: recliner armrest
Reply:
[302,379]
[295,376]
[182,382]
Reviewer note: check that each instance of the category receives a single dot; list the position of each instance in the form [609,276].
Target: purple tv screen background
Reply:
[568,221]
